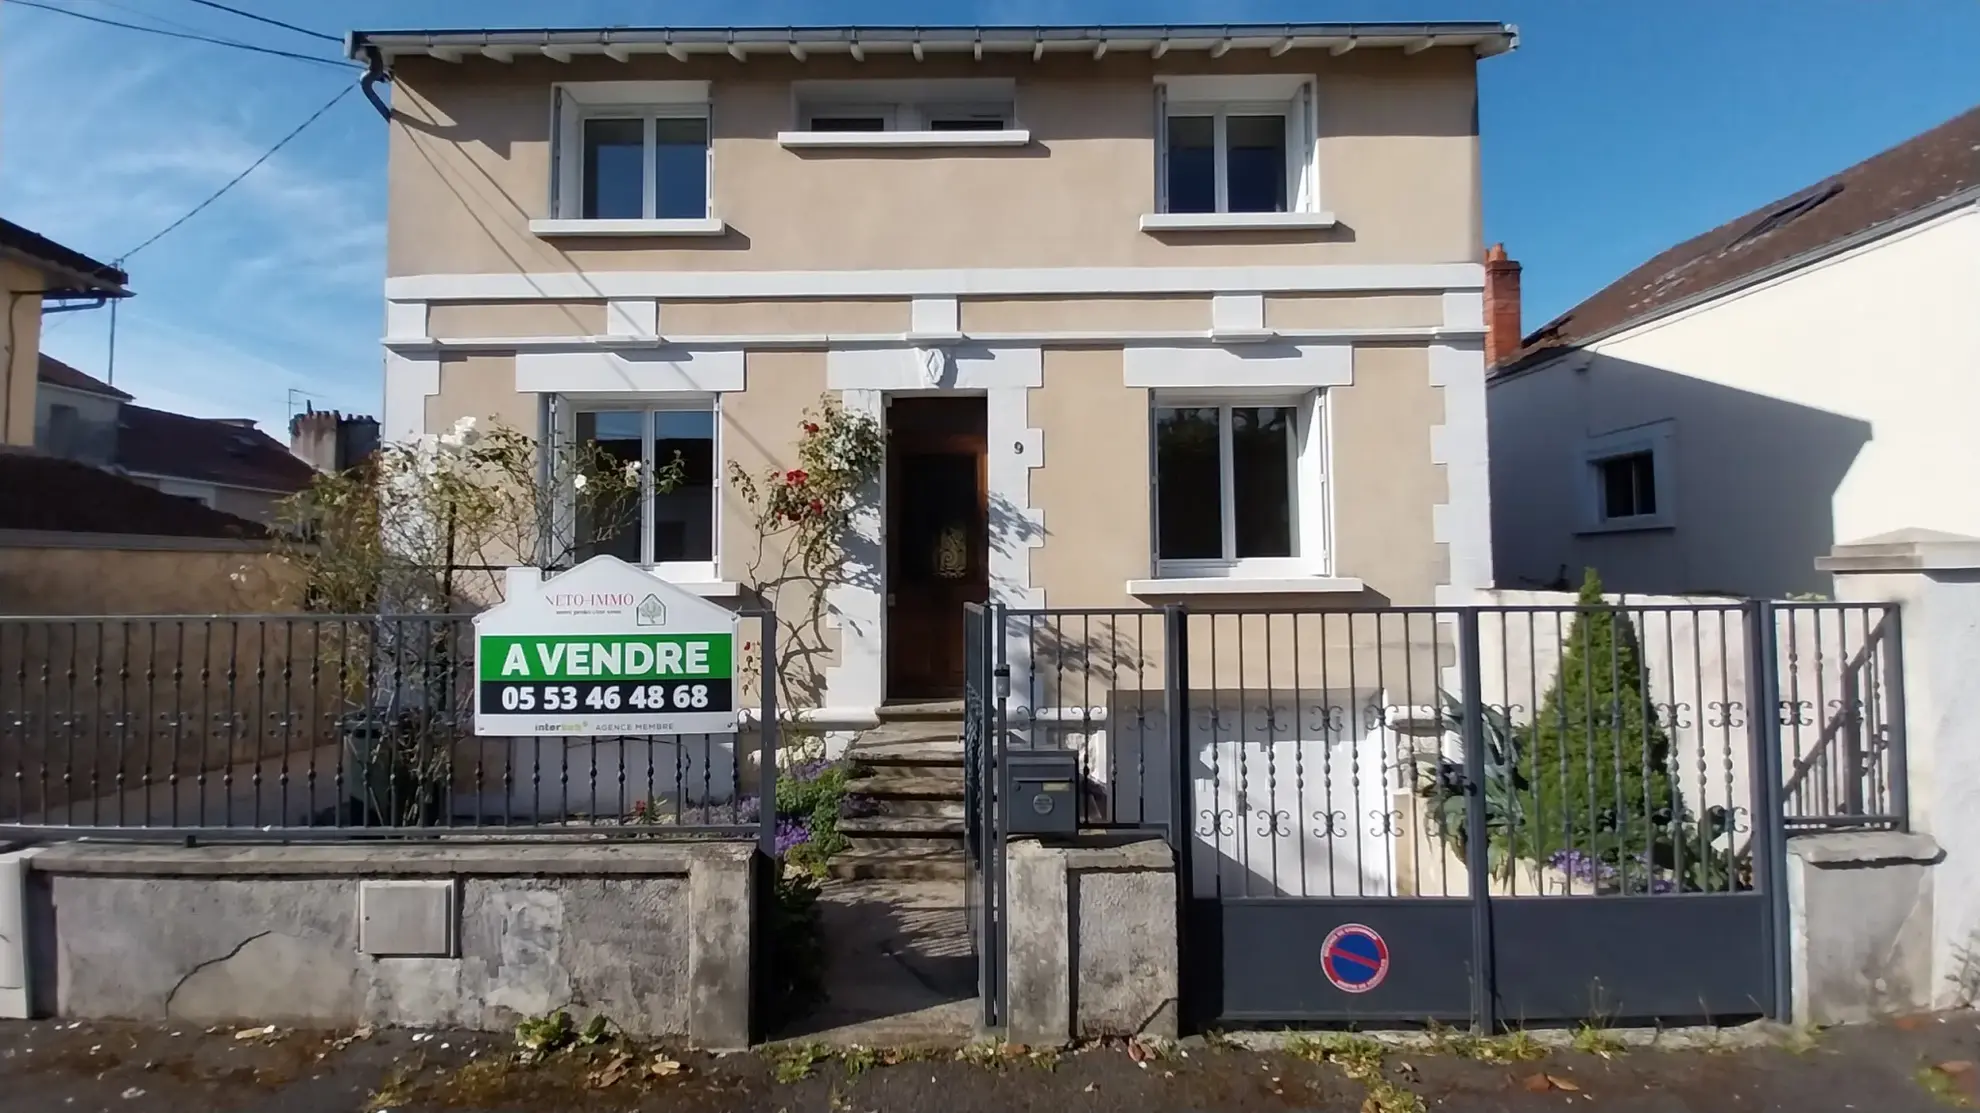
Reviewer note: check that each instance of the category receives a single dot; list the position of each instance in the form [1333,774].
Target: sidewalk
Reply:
[1920,1065]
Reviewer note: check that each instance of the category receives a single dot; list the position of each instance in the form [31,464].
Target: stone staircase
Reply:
[914,764]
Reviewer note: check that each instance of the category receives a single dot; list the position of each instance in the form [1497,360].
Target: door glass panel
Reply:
[614,527]
[684,517]
[938,542]
[680,155]
[614,177]
[1257,182]
[1188,485]
[1192,165]
[1261,472]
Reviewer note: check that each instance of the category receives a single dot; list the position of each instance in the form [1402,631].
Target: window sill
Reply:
[1647,523]
[709,589]
[697,226]
[1235,222]
[1015,137]
[1247,585]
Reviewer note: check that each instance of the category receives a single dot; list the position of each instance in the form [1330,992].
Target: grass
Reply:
[396,1088]
[1593,1039]
[792,1062]
[858,1060]
[1362,1059]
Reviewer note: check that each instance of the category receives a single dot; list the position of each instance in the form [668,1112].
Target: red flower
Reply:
[811,426]
[747,646]
[795,476]
[818,506]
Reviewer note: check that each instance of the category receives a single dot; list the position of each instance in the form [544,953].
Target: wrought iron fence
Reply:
[332,726]
[1322,753]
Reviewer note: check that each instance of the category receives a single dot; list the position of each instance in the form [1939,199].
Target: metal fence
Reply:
[333,726]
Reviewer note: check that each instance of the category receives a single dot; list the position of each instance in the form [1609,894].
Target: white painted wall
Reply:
[1831,405]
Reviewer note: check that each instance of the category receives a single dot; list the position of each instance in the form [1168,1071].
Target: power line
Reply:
[321,61]
[270,22]
[236,180]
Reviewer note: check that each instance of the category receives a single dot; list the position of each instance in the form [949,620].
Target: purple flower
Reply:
[791,834]
[1585,867]
[810,770]
[746,809]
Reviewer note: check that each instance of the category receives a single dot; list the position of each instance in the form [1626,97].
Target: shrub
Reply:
[1596,763]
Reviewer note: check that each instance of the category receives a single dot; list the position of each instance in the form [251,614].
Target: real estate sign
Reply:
[603,649]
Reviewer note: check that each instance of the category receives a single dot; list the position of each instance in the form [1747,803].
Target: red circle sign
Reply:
[1354,958]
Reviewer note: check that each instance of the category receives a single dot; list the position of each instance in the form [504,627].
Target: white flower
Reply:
[578,482]
[464,432]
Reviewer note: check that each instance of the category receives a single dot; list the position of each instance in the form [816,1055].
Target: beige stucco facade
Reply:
[1018,274]
[20,350]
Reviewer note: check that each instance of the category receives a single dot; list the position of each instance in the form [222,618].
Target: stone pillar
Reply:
[1092,942]
[1935,579]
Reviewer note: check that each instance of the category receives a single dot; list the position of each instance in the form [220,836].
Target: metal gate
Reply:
[983,842]
[1492,815]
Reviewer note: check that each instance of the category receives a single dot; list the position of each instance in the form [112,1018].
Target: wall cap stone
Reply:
[398,860]
[1865,848]
[1149,853]
[1904,550]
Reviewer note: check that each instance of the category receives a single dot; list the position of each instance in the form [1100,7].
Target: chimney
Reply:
[1501,306]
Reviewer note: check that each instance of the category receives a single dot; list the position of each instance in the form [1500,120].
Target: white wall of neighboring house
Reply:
[77,424]
[1832,404]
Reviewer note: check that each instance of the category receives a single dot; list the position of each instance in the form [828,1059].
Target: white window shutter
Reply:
[1161,149]
[557,141]
[1306,187]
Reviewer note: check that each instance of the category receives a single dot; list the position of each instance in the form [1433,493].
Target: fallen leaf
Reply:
[1137,1052]
[1955,1067]
[133,1092]
[664,1067]
[609,1073]
[1908,1023]
[1537,1083]
[1560,1083]
[254,1033]
[1091,1088]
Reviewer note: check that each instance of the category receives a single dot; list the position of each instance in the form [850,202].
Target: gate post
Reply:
[1175,709]
[1769,841]
[1477,855]
[766,769]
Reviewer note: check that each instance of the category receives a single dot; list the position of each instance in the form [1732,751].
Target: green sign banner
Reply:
[607,657]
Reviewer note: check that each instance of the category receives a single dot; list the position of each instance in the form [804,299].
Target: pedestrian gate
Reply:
[1493,815]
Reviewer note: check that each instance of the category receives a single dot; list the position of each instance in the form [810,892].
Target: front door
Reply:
[937,540]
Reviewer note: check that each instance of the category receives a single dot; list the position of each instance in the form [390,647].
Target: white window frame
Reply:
[907,109]
[1293,96]
[1659,440]
[1308,471]
[572,104]
[693,571]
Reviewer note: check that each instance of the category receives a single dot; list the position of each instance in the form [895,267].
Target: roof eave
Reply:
[74,282]
[1485,38]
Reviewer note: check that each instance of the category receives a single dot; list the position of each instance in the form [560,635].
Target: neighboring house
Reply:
[76,539]
[226,464]
[1722,415]
[39,276]
[329,441]
[1148,314]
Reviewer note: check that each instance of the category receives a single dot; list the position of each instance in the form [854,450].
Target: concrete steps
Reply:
[913,766]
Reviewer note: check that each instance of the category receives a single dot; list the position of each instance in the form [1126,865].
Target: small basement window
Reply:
[1629,485]
[1629,478]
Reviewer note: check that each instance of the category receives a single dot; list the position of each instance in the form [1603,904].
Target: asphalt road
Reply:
[1919,1065]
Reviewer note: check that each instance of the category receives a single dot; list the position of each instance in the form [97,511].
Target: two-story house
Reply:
[1147,313]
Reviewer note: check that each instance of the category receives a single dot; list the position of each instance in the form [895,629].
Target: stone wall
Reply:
[657,937]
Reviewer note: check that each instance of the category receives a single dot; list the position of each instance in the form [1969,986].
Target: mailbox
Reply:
[1041,792]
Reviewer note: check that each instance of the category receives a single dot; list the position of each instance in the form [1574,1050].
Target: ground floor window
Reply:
[674,531]
[1237,483]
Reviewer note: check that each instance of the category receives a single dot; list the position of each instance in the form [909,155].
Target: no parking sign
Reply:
[1355,958]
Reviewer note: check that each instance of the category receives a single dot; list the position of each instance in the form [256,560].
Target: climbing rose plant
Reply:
[810,507]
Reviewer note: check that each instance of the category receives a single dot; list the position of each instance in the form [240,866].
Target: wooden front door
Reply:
[937,540]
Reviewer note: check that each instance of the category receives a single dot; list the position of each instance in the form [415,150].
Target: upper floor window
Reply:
[961,112]
[630,157]
[1229,145]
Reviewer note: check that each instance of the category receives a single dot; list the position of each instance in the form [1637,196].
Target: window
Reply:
[827,115]
[1629,486]
[1237,486]
[1236,156]
[1628,477]
[904,113]
[630,151]
[672,531]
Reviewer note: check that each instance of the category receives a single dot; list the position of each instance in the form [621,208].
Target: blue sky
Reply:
[1614,131]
